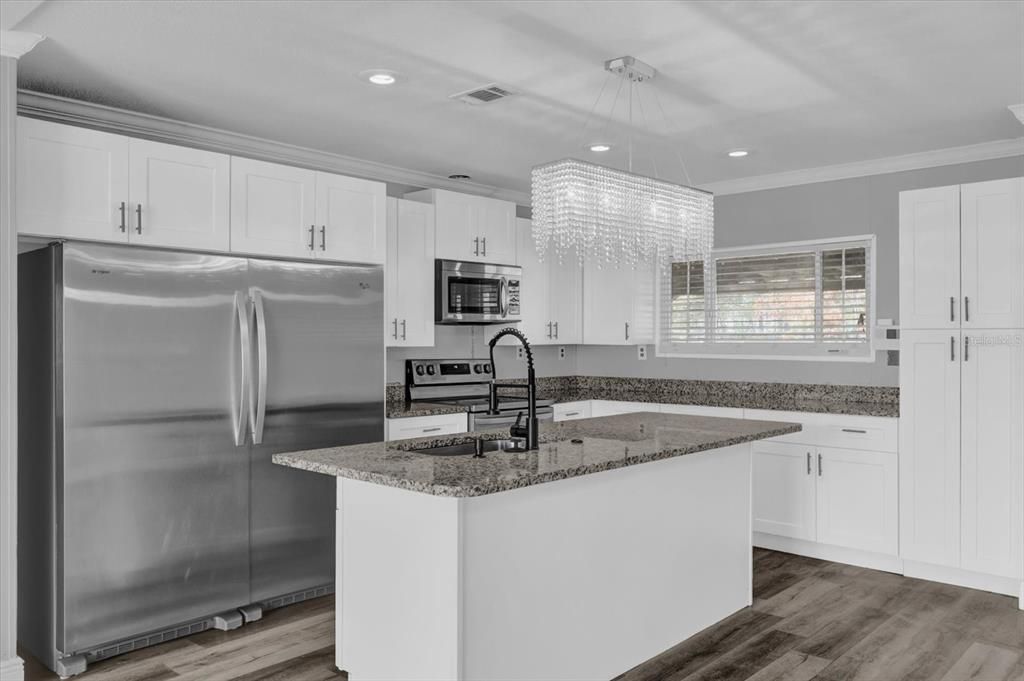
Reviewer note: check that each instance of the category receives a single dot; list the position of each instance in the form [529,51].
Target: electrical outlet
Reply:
[641,352]
[561,352]
[520,352]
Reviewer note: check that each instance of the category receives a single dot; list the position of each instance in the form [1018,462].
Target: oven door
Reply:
[476,293]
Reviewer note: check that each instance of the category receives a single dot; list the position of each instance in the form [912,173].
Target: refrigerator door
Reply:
[154,528]
[322,370]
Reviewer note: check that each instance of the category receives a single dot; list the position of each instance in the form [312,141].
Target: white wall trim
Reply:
[965,578]
[157,128]
[880,166]
[12,669]
[16,43]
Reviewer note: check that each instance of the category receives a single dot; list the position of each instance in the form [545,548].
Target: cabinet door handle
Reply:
[808,463]
[967,348]
[403,329]
[476,246]
[952,349]
[952,303]
[549,329]
[122,217]
[138,218]
[855,430]
[431,430]
[627,330]
[323,237]
[819,465]
[967,309]
[312,229]
[484,242]
[556,329]
[394,334]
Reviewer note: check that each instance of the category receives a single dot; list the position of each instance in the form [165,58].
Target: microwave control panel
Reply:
[513,297]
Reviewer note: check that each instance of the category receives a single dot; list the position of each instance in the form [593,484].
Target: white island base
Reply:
[581,578]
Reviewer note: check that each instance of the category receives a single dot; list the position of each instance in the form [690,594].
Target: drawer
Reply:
[872,433]
[570,411]
[613,407]
[701,410]
[422,426]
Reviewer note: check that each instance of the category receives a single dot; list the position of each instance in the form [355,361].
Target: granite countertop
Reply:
[568,449]
[813,398]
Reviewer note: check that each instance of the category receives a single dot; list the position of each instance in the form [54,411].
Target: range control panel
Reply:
[446,371]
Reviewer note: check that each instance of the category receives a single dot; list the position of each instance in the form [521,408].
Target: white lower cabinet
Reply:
[613,407]
[784,490]
[424,426]
[570,411]
[857,500]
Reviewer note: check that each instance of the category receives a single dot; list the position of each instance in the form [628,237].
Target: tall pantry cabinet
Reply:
[962,384]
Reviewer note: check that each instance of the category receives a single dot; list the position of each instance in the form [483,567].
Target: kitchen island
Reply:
[618,538]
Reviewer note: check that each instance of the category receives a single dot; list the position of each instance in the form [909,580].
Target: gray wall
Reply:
[866,205]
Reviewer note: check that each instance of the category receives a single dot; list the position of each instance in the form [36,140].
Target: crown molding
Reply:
[18,43]
[880,166]
[159,129]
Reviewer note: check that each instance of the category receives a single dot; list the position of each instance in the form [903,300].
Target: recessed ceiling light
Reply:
[458,176]
[600,147]
[380,76]
[738,153]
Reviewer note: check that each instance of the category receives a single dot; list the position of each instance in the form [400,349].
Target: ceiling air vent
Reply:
[484,94]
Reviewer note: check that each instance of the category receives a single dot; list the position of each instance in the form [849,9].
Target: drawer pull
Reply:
[855,430]
[432,430]
[572,413]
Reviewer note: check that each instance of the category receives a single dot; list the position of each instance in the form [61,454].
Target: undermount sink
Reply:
[475,447]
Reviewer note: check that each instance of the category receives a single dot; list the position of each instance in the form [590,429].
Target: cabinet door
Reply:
[535,289]
[929,446]
[350,219]
[272,209]
[179,196]
[784,491]
[992,453]
[566,297]
[607,304]
[992,254]
[410,276]
[456,225]
[930,258]
[641,331]
[858,500]
[72,182]
[496,225]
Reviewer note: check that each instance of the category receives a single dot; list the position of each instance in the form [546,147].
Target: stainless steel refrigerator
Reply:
[154,386]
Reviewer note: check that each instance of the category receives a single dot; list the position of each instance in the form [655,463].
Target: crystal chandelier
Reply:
[610,216]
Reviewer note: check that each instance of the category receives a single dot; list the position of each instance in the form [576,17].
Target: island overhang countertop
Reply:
[567,449]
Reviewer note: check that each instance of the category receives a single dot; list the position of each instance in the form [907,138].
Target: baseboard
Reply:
[12,669]
[836,554]
[1020,599]
[957,577]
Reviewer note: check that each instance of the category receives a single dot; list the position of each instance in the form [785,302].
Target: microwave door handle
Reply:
[245,352]
[503,297]
[259,404]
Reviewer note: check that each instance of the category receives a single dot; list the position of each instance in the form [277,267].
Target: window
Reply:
[806,300]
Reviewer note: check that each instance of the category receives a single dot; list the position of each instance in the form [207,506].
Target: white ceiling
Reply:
[802,84]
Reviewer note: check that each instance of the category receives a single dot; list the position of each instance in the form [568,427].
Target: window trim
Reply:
[773,351]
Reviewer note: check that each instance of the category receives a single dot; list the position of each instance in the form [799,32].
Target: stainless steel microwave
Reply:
[476,292]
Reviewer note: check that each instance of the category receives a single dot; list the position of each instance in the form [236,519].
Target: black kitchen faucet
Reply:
[529,432]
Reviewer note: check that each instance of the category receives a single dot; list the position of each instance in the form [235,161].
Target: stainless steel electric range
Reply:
[464,383]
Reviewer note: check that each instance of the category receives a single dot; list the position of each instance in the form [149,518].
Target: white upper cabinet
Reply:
[858,499]
[473,228]
[272,209]
[929,446]
[409,294]
[784,489]
[71,182]
[565,285]
[350,219]
[992,452]
[534,289]
[930,258]
[992,254]
[618,304]
[179,197]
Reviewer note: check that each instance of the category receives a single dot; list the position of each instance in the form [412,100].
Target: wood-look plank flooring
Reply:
[811,620]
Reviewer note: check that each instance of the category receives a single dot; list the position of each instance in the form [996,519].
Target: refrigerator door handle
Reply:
[259,405]
[245,349]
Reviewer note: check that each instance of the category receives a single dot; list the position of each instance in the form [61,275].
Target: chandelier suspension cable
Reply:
[647,127]
[629,130]
[611,113]
[590,115]
[664,117]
